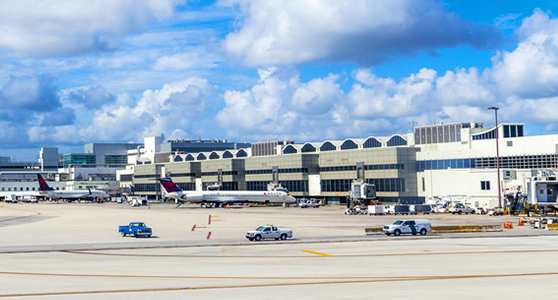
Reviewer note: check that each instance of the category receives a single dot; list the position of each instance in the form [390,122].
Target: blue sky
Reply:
[117,71]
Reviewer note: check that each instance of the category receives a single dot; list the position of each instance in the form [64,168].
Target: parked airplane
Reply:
[49,192]
[220,198]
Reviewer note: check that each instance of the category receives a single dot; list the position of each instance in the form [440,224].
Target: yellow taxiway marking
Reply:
[317,253]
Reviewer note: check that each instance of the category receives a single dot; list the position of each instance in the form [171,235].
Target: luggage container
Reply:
[376,210]
[400,209]
[422,209]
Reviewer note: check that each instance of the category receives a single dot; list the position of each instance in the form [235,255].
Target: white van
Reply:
[413,226]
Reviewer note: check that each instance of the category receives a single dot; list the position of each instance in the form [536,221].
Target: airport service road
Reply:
[59,226]
[74,251]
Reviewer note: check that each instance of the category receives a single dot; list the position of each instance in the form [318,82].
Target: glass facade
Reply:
[382,185]
[510,131]
[81,159]
[290,185]
[508,162]
[116,159]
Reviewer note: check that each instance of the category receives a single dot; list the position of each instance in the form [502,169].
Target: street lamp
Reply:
[495,109]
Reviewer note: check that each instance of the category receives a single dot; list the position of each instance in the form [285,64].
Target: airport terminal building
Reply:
[448,160]
[439,161]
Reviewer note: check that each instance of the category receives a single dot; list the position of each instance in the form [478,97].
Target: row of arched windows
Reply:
[348,144]
[371,142]
[213,155]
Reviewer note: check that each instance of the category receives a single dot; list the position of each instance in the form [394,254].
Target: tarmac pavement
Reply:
[74,251]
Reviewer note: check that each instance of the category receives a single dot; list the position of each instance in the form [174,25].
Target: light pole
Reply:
[495,109]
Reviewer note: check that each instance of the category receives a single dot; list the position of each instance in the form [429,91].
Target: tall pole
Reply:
[497,156]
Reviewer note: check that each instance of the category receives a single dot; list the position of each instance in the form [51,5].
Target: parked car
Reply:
[413,227]
[269,232]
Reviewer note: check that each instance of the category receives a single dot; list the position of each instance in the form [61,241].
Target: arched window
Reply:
[189,157]
[372,143]
[241,153]
[396,141]
[308,148]
[214,155]
[178,158]
[201,156]
[289,149]
[227,154]
[349,144]
[328,146]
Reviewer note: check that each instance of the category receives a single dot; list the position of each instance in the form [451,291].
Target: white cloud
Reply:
[463,87]
[280,106]
[531,69]
[56,27]
[368,32]
[176,105]
[172,109]
[317,96]
[183,61]
[382,97]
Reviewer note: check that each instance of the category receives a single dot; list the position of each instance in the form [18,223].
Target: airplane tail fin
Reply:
[169,185]
[43,186]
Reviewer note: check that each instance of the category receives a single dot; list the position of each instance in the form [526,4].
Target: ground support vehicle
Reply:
[269,232]
[309,203]
[481,211]
[376,210]
[421,209]
[460,208]
[398,210]
[357,210]
[136,229]
[496,212]
[412,226]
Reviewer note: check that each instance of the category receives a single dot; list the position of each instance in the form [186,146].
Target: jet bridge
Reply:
[542,190]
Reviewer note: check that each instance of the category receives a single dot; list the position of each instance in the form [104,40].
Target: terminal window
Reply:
[485,185]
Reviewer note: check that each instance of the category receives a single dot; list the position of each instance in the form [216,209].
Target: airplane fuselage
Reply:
[232,196]
[69,194]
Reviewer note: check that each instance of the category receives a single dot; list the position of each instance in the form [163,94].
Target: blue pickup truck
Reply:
[136,229]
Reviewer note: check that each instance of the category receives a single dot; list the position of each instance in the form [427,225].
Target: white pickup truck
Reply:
[414,226]
[269,232]
[460,208]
